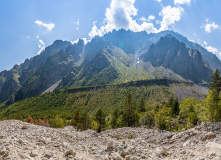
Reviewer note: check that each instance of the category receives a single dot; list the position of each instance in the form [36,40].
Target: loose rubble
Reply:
[37,142]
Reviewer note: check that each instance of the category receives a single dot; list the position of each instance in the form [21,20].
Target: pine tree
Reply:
[216,82]
[141,105]
[84,121]
[19,117]
[46,122]
[211,104]
[100,119]
[76,119]
[114,119]
[175,107]
[129,111]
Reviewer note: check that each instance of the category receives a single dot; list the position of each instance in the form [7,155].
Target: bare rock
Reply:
[70,153]
[209,136]
[24,127]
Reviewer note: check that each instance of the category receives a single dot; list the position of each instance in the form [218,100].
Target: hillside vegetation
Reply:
[89,99]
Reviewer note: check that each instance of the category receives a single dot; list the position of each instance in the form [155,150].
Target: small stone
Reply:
[70,152]
[209,136]
[124,153]
[24,127]
[110,144]
[32,154]
[47,156]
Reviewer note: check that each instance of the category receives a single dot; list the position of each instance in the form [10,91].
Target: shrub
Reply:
[130,136]
[57,122]
[40,122]
[30,120]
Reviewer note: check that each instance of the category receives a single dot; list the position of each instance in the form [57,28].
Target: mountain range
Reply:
[117,57]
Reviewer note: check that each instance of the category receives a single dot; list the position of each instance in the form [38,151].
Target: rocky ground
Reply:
[20,140]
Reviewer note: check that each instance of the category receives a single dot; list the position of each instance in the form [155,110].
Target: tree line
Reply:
[171,115]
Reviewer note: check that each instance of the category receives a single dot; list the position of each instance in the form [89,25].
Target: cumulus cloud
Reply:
[150,18]
[212,49]
[170,16]
[41,46]
[158,0]
[143,19]
[179,2]
[120,15]
[209,26]
[48,26]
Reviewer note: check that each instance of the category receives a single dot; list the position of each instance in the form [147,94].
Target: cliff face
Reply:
[170,53]
[9,88]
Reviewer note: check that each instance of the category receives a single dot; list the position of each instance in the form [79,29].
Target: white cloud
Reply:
[179,2]
[78,24]
[143,19]
[120,15]
[209,26]
[150,18]
[84,39]
[37,37]
[205,43]
[41,46]
[170,16]
[158,0]
[48,26]
[212,49]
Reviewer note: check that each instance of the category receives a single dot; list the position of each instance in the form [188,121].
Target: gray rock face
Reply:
[170,53]
[9,87]
[38,142]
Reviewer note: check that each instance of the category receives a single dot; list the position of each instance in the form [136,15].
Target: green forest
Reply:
[133,105]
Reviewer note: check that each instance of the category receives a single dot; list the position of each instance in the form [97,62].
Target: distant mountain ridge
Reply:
[111,59]
[170,53]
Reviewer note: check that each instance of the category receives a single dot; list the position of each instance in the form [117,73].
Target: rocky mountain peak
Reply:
[170,53]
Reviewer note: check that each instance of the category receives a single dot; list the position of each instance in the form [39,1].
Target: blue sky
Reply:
[28,26]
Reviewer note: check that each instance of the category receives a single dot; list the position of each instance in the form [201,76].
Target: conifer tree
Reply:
[129,111]
[216,82]
[100,119]
[141,105]
[175,107]
[76,119]
[84,121]
[114,119]
[211,104]
[46,122]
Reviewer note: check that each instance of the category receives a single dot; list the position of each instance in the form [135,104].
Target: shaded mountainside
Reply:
[209,57]
[108,97]
[170,53]
[26,69]
[111,59]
